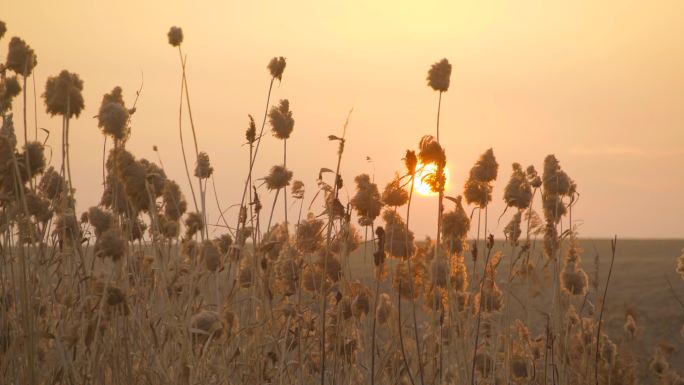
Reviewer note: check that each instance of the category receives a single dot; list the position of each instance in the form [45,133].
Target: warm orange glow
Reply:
[423,171]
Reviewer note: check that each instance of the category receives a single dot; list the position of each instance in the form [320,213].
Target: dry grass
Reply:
[134,291]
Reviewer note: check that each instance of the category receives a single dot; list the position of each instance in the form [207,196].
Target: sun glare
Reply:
[421,186]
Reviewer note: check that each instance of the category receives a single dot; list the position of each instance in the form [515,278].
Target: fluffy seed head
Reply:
[33,154]
[203,168]
[110,245]
[9,89]
[278,178]
[175,36]
[63,95]
[20,57]
[174,202]
[574,279]
[455,227]
[101,220]
[439,75]
[113,115]
[250,134]
[555,180]
[396,236]
[223,243]
[3,29]
[518,192]
[431,151]
[309,234]
[281,120]
[193,224]
[477,192]
[486,168]
[52,184]
[367,201]
[394,194]
[276,67]
[298,189]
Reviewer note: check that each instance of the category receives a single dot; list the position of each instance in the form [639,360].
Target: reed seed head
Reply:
[278,178]
[175,36]
[276,67]
[439,75]
[281,120]
[63,95]
[367,201]
[20,57]
[394,194]
[203,169]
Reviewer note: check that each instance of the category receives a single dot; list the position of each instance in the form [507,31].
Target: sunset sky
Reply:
[600,84]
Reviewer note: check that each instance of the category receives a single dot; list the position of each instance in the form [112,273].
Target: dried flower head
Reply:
[574,279]
[113,116]
[399,243]
[52,184]
[309,234]
[278,178]
[555,180]
[477,192]
[110,245]
[3,29]
[394,194]
[276,67]
[193,224]
[439,75]
[250,134]
[20,57]
[280,118]
[298,189]
[38,207]
[455,227]
[175,36]
[33,157]
[411,162]
[9,89]
[366,202]
[431,151]
[518,192]
[174,202]
[203,169]
[513,229]
[533,177]
[63,94]
[384,309]
[100,219]
[486,168]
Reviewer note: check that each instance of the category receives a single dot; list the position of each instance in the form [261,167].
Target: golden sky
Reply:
[598,83]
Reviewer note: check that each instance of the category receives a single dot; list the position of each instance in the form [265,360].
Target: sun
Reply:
[420,185]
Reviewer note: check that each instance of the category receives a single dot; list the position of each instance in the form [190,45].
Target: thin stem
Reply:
[180,133]
[439,108]
[603,306]
[413,303]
